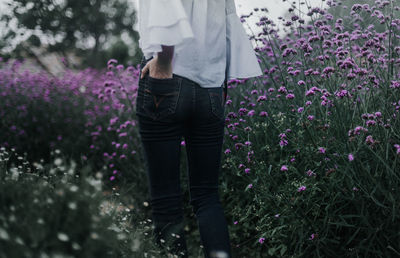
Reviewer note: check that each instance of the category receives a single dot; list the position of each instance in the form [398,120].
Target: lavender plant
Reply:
[313,144]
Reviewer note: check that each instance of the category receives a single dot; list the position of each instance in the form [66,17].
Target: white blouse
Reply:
[210,41]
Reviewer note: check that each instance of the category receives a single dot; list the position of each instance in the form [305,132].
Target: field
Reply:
[311,152]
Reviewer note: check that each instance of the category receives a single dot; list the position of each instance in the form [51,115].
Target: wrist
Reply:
[164,58]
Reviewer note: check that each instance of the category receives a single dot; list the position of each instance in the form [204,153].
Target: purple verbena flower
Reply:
[301,189]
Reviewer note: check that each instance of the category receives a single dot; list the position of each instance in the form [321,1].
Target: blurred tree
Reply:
[87,28]
[119,51]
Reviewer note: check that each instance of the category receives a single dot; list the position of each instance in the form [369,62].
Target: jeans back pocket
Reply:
[160,96]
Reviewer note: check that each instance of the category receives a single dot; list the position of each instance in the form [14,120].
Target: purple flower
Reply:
[310,117]
[112,61]
[357,131]
[395,84]
[284,168]
[289,51]
[321,150]
[123,134]
[397,146]
[301,189]
[342,93]
[251,113]
[310,173]
[369,140]
[351,157]
[183,143]
[261,240]
[328,70]
[113,120]
[290,96]
[247,170]
[238,145]
[310,92]
[260,98]
[313,236]
[227,151]
[282,89]
[283,142]
[250,186]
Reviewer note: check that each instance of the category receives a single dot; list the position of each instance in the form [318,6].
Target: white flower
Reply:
[76,246]
[74,188]
[19,240]
[57,161]
[97,184]
[14,173]
[72,205]
[62,237]
[37,165]
[4,234]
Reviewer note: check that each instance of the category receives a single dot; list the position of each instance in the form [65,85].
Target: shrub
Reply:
[87,114]
[312,158]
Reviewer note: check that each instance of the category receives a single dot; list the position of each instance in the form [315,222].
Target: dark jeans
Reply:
[167,110]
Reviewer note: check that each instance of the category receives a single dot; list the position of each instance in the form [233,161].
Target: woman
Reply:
[191,48]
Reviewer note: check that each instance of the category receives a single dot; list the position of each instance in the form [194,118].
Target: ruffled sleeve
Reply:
[162,22]
[242,61]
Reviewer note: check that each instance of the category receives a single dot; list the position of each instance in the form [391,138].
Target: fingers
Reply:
[144,70]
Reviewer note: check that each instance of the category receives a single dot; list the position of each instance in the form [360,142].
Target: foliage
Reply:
[86,28]
[57,210]
[313,145]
